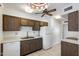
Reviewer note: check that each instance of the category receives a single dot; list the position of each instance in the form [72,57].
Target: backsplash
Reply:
[22,33]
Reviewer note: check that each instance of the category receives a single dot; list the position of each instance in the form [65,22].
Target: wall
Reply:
[22,33]
[55,30]
[69,33]
[1,33]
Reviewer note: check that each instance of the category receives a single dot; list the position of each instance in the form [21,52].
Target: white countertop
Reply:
[14,39]
[71,41]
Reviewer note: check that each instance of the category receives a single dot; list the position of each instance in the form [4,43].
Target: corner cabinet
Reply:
[73,21]
[11,23]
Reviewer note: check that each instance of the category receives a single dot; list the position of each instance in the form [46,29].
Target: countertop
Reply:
[14,39]
[71,41]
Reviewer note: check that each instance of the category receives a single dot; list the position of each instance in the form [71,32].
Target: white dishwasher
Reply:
[11,49]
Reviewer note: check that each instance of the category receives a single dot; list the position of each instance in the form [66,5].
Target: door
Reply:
[25,47]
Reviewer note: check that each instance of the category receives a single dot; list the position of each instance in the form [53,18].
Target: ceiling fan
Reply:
[47,12]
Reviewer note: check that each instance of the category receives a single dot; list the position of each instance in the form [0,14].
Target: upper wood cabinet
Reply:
[43,24]
[11,23]
[73,20]
[26,22]
[36,26]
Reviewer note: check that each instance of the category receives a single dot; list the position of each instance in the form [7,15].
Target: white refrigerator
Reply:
[47,37]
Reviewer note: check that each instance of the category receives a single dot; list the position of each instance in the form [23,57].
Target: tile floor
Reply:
[54,51]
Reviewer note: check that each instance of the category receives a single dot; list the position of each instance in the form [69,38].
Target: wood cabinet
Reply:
[73,21]
[69,49]
[29,46]
[1,49]
[43,24]
[36,26]
[11,23]
[27,22]
[36,44]
[25,47]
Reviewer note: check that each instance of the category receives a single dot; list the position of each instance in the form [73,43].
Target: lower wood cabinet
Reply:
[20,48]
[0,49]
[29,46]
[36,44]
[24,47]
[69,49]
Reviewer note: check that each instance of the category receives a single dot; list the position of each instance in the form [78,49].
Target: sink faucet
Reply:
[27,34]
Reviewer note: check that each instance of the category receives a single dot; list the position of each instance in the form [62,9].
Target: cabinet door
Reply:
[11,23]
[39,43]
[69,49]
[23,22]
[73,21]
[6,26]
[11,49]
[17,24]
[25,47]
[33,45]
[30,23]
[36,44]
[36,26]
[43,24]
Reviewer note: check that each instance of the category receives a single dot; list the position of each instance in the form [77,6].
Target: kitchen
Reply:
[26,33]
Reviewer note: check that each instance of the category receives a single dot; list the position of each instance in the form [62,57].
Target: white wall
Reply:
[1,32]
[22,33]
[55,30]
[75,7]
[69,33]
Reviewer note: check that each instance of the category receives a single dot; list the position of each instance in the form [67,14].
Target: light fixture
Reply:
[28,9]
[38,6]
[57,16]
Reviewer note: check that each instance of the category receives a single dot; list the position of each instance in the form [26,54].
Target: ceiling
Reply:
[20,6]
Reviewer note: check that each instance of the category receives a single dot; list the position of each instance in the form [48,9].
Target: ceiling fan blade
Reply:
[42,15]
[38,13]
[49,14]
[52,10]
